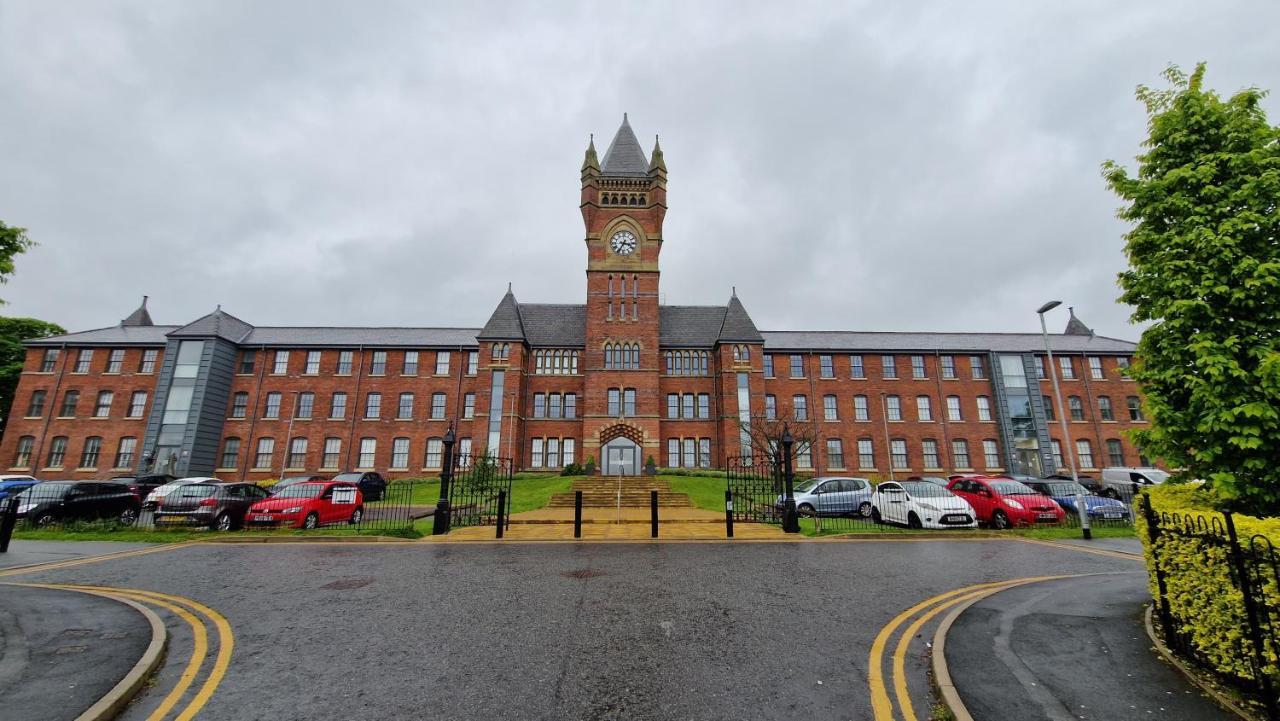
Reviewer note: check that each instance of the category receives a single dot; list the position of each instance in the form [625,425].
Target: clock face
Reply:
[623,242]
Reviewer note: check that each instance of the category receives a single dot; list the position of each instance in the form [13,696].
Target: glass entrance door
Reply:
[621,458]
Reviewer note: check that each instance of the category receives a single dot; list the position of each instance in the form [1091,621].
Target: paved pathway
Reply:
[1068,650]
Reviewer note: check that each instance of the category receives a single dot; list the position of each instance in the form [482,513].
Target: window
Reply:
[615,402]
[338,406]
[1104,409]
[898,453]
[800,407]
[1068,370]
[410,368]
[860,409]
[49,361]
[57,452]
[400,453]
[1049,413]
[405,410]
[1115,452]
[344,362]
[948,367]
[435,453]
[125,452]
[704,405]
[137,404]
[539,405]
[797,366]
[770,407]
[115,360]
[828,368]
[378,366]
[554,409]
[768,365]
[273,406]
[673,453]
[889,366]
[368,453]
[69,401]
[89,454]
[621,356]
[567,449]
[1084,454]
[35,408]
[917,366]
[978,367]
[102,409]
[373,405]
[984,408]
[565,362]
[893,408]
[629,402]
[829,411]
[704,452]
[313,363]
[297,453]
[835,453]
[281,366]
[804,456]
[247,359]
[1095,368]
[499,352]
[1122,362]
[1039,363]
[332,453]
[741,354]
[442,362]
[535,455]
[83,361]
[991,454]
[686,363]
[929,452]
[469,406]
[686,405]
[866,454]
[856,369]
[1077,408]
[473,361]
[306,404]
[463,454]
[437,406]
[953,409]
[553,453]
[960,453]
[266,449]
[570,405]
[923,411]
[239,404]
[148,363]
[1055,448]
[1135,408]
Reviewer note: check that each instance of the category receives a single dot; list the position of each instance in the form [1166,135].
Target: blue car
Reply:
[832,496]
[1099,507]
[13,485]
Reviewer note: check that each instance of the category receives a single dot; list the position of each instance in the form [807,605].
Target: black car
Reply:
[146,484]
[53,502]
[372,485]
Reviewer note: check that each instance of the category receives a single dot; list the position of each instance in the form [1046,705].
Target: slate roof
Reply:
[549,325]
[1075,326]
[624,156]
[218,324]
[689,326]
[505,323]
[118,335]
[956,342]
[350,337]
[738,326]
[139,316]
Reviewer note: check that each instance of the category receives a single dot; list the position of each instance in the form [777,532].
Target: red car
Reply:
[1001,502]
[309,505]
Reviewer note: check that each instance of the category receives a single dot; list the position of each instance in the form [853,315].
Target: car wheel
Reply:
[864,510]
[356,515]
[806,510]
[875,515]
[223,522]
[311,521]
[46,519]
[1000,520]
[128,517]
[913,521]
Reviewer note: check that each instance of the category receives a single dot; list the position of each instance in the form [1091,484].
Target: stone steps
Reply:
[626,500]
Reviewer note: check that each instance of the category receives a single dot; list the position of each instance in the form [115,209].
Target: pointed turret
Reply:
[1075,326]
[590,162]
[218,324]
[505,323]
[139,317]
[738,326]
[625,157]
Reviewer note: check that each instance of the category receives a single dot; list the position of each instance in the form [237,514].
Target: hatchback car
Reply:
[309,505]
[371,484]
[287,481]
[832,496]
[60,501]
[13,485]
[1002,502]
[220,506]
[157,495]
[1064,494]
[920,504]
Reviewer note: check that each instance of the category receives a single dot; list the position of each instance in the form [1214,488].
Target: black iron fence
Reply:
[755,486]
[480,491]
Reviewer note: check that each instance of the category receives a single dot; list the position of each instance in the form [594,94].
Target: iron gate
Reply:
[478,484]
[755,485]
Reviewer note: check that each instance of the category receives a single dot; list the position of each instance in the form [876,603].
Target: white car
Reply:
[1122,483]
[154,498]
[920,504]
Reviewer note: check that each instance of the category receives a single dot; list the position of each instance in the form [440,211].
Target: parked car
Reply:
[1122,482]
[309,505]
[157,495]
[287,481]
[13,485]
[1064,494]
[1089,482]
[372,485]
[936,480]
[1002,502]
[920,504]
[146,484]
[59,501]
[220,506]
[832,496]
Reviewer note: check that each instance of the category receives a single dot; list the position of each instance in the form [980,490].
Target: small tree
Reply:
[12,242]
[1204,255]
[766,437]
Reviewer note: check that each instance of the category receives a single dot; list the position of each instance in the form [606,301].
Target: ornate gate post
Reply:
[790,523]
[440,523]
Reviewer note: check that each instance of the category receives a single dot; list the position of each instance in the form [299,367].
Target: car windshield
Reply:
[925,489]
[1065,489]
[1011,488]
[292,480]
[195,490]
[46,490]
[348,477]
[1156,475]
[301,490]
[803,487]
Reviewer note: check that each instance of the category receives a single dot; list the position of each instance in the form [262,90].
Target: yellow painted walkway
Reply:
[554,524]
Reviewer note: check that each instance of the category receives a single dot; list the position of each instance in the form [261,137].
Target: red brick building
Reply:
[616,379]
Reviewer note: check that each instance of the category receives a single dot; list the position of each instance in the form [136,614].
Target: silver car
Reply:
[832,496]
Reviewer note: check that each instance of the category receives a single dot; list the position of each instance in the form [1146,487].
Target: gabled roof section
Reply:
[1075,326]
[505,323]
[624,156]
[550,325]
[139,317]
[738,326]
[218,324]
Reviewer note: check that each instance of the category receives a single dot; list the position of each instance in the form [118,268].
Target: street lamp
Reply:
[1081,509]
[790,524]
[441,521]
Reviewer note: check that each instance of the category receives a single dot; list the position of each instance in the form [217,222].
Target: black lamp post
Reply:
[790,523]
[440,523]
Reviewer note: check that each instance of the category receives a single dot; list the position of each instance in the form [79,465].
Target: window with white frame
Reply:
[567,450]
[984,408]
[400,453]
[924,411]
[378,366]
[991,454]
[1115,452]
[344,362]
[332,453]
[149,357]
[829,411]
[893,408]
[704,452]
[770,406]
[800,407]
[1055,448]
[313,363]
[91,451]
[917,367]
[797,365]
[373,405]
[768,365]
[804,456]
[125,452]
[297,453]
[83,361]
[442,363]
[690,455]
[404,411]
[704,405]
[473,362]
[306,404]
[410,367]
[338,406]
[929,453]
[889,365]
[536,450]
[1077,408]
[835,453]
[673,453]
[960,453]
[1039,363]
[102,409]
[866,454]
[437,406]
[898,454]
[1095,368]
[1105,411]
[856,369]
[239,404]
[977,367]
[1084,453]
[1068,368]
[953,409]
[281,365]
[230,453]
[49,360]
[468,406]
[827,366]
[860,412]
[272,409]
[686,405]
[948,367]
[435,453]
[266,449]
[115,360]
[368,453]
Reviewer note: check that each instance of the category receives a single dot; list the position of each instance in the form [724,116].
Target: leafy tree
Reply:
[12,332]
[1204,255]
[13,241]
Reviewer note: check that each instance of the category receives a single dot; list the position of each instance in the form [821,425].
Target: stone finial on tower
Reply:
[590,162]
[657,165]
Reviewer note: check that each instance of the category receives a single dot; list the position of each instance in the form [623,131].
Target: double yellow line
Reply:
[918,615]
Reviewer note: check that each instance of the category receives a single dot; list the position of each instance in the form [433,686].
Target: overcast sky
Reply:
[846,165]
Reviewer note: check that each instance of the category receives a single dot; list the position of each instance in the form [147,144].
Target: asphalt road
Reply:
[558,631]
[26,553]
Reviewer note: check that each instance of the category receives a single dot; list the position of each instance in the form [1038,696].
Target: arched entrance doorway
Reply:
[620,452]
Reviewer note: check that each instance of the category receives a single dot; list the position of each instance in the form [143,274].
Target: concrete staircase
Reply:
[620,491]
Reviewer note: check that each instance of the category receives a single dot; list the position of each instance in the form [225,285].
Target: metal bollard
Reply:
[577,514]
[653,514]
[8,519]
[502,512]
[728,514]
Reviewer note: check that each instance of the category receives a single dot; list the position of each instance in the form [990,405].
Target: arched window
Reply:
[506,351]
[635,296]
[635,356]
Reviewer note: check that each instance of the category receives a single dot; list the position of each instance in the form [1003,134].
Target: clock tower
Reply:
[624,200]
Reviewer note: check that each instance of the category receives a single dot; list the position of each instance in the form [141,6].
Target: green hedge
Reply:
[1203,600]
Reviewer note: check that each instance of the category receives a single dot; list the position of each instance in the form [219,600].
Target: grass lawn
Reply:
[1053,532]
[707,493]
